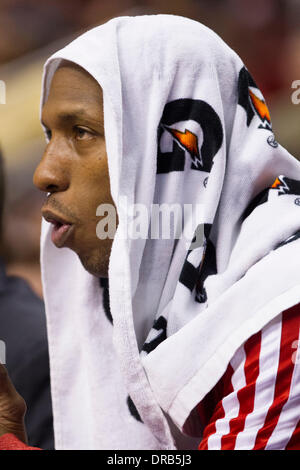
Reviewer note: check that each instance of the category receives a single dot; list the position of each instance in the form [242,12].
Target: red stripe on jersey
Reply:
[245,395]
[264,421]
[289,333]
[294,442]
[223,388]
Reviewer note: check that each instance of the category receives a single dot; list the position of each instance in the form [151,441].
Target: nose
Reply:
[52,173]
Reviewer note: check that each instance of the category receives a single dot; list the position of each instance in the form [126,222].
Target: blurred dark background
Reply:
[265,33]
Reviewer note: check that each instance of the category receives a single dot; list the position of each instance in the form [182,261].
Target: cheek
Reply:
[90,196]
[90,185]
[99,184]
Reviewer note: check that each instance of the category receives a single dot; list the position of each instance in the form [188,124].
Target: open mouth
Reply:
[61,228]
[60,233]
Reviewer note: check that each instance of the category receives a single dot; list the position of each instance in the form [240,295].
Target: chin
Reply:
[95,265]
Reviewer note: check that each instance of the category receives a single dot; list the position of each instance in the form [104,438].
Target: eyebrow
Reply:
[72,116]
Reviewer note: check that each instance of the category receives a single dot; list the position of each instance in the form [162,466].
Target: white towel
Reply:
[184,123]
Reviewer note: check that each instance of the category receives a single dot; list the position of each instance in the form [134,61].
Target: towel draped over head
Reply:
[185,124]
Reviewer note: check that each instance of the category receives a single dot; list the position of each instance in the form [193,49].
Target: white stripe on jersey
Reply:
[289,416]
[265,383]
[230,403]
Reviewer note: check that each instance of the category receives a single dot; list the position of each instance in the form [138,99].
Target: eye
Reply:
[82,133]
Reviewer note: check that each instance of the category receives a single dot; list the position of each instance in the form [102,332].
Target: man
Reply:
[184,124]
[75,114]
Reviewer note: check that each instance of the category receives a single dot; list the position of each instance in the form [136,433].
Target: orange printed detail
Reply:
[260,107]
[187,139]
[276,183]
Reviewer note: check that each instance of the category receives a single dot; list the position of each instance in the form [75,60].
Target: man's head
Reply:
[74,167]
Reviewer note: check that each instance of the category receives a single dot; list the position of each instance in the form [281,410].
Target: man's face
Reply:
[74,169]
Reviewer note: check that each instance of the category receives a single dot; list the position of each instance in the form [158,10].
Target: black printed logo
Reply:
[159,326]
[251,100]
[185,141]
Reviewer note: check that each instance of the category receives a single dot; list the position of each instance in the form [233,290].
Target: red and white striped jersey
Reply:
[256,404]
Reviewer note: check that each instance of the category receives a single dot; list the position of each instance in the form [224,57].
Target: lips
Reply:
[62,229]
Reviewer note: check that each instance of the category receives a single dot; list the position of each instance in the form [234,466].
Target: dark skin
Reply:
[74,168]
[12,408]
[74,173]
